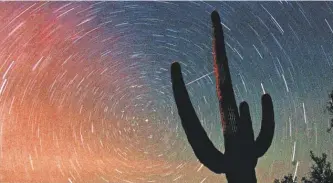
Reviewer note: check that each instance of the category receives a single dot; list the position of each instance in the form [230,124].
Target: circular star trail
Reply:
[85,89]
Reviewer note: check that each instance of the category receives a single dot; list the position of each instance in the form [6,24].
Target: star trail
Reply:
[86,97]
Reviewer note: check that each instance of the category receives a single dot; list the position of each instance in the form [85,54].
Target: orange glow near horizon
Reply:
[60,92]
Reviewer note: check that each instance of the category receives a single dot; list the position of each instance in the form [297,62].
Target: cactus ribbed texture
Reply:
[242,151]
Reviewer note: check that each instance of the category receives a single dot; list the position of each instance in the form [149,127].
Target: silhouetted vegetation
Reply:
[242,151]
[321,172]
[286,179]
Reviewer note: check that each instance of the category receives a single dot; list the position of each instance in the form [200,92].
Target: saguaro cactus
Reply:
[242,151]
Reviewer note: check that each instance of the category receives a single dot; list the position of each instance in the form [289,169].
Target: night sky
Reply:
[85,87]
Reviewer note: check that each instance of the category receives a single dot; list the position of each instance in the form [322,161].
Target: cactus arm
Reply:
[245,125]
[225,92]
[203,148]
[265,137]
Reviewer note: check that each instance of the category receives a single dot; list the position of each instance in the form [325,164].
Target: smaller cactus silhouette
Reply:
[242,151]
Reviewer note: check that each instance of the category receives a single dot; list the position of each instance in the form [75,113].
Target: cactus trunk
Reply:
[242,151]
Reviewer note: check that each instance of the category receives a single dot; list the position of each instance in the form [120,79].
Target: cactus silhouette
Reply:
[242,151]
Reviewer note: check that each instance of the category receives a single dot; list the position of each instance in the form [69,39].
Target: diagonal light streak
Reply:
[199,78]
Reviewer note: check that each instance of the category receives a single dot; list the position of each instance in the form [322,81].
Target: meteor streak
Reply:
[199,78]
